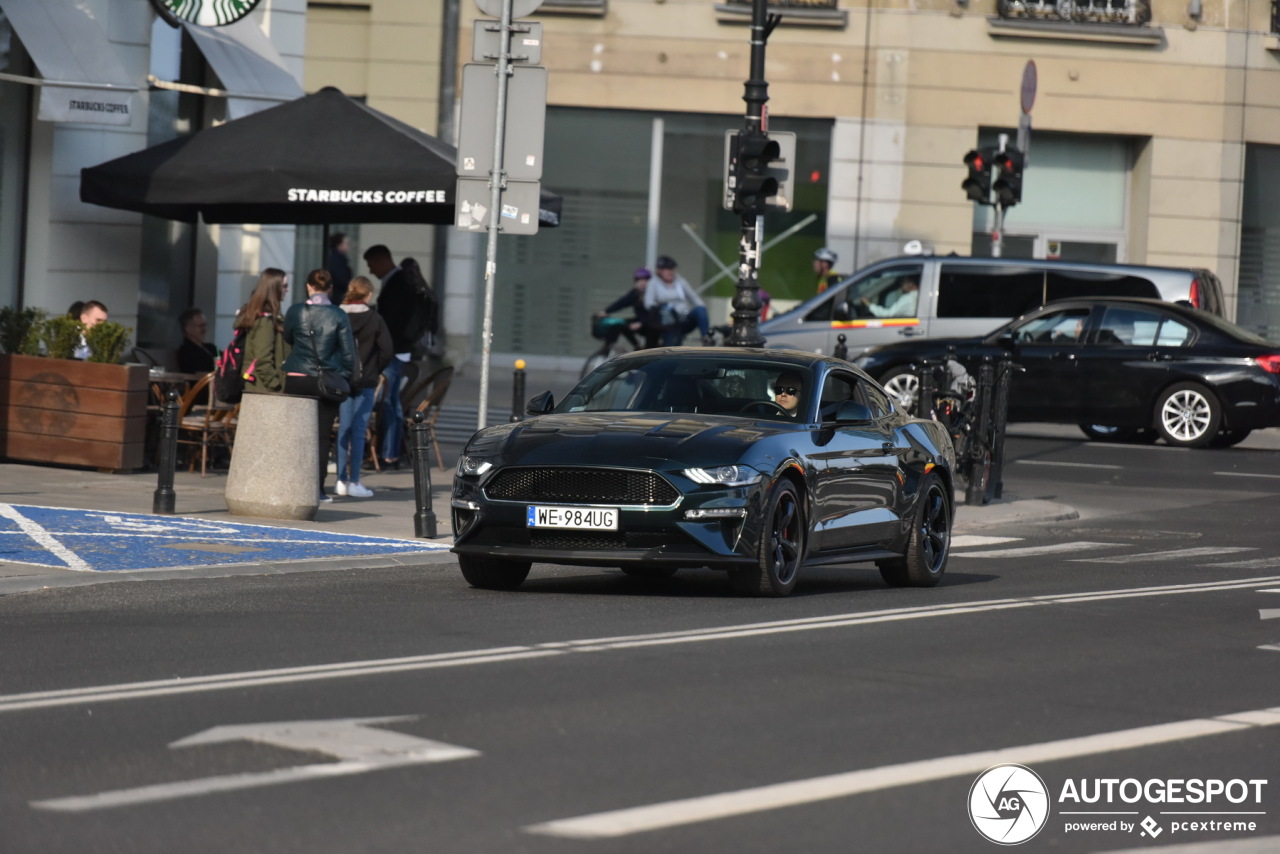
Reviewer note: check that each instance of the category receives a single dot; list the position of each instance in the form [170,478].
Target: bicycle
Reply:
[608,330]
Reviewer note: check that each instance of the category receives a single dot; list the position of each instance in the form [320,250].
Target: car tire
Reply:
[903,386]
[491,573]
[650,572]
[780,550]
[1229,438]
[1188,415]
[929,543]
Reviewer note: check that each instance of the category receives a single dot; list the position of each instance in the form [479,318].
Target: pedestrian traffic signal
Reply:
[1008,183]
[752,183]
[978,185]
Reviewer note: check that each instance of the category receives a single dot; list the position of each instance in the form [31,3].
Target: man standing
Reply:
[91,314]
[339,266]
[395,304]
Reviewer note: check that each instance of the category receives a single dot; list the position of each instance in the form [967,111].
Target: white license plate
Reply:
[591,518]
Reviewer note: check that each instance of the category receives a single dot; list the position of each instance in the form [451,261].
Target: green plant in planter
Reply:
[19,330]
[61,336]
[107,341]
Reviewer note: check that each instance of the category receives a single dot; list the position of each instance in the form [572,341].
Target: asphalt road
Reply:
[593,712]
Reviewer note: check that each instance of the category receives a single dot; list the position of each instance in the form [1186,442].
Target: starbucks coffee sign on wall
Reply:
[204,13]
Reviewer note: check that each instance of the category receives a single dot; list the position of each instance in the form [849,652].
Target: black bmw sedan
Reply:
[757,462]
[1121,368]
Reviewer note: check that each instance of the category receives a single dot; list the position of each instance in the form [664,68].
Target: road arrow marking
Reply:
[358,747]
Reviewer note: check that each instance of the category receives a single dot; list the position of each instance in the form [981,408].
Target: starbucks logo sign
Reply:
[205,13]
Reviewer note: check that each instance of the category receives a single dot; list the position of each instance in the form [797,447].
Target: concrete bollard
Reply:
[275,463]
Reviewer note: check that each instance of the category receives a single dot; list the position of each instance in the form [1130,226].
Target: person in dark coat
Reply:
[195,355]
[373,344]
[339,266]
[320,335]
[395,303]
[642,323]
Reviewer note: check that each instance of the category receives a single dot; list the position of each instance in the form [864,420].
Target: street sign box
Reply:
[526,119]
[526,42]
[518,206]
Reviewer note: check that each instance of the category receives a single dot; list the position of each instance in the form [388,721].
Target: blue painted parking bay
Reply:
[101,541]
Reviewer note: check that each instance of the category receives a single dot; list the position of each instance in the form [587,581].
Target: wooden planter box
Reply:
[72,412]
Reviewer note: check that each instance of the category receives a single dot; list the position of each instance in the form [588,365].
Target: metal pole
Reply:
[445,130]
[497,180]
[517,392]
[656,156]
[997,236]
[424,517]
[746,302]
[163,501]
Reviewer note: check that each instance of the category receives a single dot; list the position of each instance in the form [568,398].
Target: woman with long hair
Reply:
[373,344]
[265,349]
[320,335]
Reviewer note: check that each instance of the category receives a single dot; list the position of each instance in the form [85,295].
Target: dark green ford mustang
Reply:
[758,462]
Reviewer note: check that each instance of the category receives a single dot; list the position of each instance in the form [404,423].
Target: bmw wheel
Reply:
[1188,415]
[490,573]
[780,550]
[929,544]
[903,386]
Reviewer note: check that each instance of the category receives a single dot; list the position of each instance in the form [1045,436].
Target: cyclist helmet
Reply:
[825,254]
[643,273]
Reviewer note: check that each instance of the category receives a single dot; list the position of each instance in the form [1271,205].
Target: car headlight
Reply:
[724,475]
[472,466]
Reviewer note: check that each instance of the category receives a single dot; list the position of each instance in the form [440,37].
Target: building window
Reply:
[795,13]
[1132,12]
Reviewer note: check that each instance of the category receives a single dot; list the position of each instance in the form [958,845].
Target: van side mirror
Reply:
[540,405]
[841,310]
[1006,341]
[852,412]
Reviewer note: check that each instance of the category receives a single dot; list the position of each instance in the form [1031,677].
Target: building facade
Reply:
[1155,134]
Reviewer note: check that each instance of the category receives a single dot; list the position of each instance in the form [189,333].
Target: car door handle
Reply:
[910,331]
[1160,357]
[1070,357]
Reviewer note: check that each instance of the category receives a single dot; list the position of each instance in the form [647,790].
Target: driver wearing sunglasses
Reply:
[786,392]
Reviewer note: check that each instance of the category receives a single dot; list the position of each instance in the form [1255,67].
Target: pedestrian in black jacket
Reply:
[373,344]
[320,335]
[395,304]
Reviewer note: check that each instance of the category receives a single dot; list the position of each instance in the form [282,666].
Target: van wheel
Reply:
[903,386]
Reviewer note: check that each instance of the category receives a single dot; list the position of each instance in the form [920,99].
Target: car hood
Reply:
[644,440]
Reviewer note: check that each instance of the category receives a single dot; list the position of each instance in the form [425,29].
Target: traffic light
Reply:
[978,184]
[1008,185]
[782,169]
[752,183]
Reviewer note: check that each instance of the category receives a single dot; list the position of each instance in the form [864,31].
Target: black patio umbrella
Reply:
[319,159]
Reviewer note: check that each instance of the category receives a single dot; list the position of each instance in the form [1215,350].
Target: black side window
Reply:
[1071,284]
[876,400]
[995,291]
[836,390]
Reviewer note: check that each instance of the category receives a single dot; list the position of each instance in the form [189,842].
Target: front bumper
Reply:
[660,536]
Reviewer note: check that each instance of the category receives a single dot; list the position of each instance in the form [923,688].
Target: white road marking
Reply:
[359,747]
[46,540]
[624,822]
[1269,613]
[288,675]
[1172,554]
[1245,474]
[1254,563]
[1032,551]
[1067,465]
[1271,646]
[962,541]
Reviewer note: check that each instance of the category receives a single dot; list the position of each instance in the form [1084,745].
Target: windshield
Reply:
[712,385]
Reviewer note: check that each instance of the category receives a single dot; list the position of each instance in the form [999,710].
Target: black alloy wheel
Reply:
[929,544]
[781,548]
[491,573]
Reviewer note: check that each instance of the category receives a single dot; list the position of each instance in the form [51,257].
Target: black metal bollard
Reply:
[163,501]
[842,349]
[517,392]
[424,518]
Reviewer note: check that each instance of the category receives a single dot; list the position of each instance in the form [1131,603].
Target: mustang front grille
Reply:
[581,486]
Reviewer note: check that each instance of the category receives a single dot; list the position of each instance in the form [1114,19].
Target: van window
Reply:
[871,296]
[1072,284]
[995,291]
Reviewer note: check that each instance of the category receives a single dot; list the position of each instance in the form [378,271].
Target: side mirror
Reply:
[841,311]
[852,412]
[540,405]
[1006,341]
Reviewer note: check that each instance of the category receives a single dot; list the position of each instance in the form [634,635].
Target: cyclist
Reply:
[677,307]
[823,262]
[641,323]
